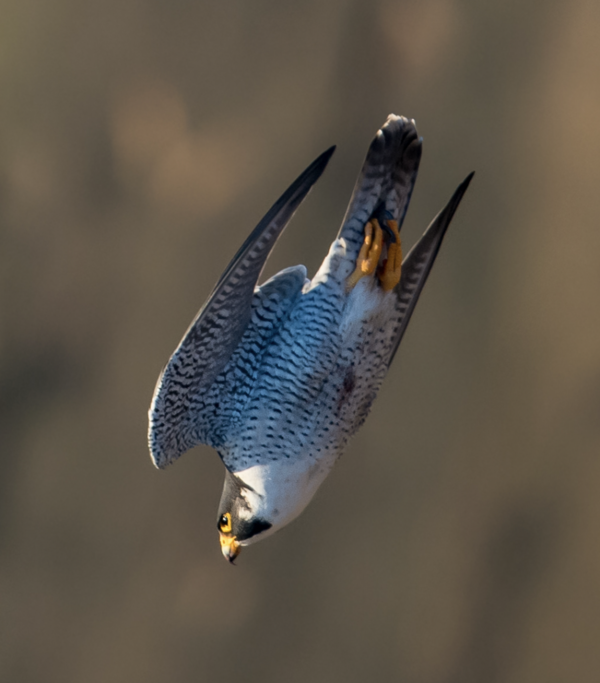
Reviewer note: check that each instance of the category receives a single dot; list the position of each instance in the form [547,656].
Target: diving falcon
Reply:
[278,377]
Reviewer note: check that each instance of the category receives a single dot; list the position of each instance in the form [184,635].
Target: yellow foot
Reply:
[392,268]
[370,253]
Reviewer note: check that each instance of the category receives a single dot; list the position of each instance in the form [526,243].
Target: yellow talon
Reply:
[370,252]
[390,276]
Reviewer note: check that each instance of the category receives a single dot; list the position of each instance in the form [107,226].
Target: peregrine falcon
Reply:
[278,377]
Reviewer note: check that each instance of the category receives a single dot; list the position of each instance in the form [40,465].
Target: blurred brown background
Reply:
[458,541]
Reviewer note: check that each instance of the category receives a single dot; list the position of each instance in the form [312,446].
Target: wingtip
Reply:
[466,182]
[468,179]
[310,176]
[459,193]
[324,158]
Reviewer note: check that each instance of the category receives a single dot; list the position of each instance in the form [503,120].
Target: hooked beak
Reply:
[229,546]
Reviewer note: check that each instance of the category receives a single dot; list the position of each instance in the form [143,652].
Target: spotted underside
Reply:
[290,369]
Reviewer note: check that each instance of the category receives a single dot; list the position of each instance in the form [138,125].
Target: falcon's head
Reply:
[242,517]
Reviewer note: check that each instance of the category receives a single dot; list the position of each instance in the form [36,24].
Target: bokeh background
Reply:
[458,541]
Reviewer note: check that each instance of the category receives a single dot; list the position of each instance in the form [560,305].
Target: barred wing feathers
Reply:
[217,329]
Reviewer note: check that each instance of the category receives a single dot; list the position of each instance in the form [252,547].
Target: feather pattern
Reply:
[217,329]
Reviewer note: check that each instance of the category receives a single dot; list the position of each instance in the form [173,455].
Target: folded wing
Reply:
[216,331]
[419,261]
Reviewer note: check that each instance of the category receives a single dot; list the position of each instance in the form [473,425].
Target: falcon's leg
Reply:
[390,273]
[370,252]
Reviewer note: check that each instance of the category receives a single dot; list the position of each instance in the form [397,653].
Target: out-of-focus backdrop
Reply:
[458,540]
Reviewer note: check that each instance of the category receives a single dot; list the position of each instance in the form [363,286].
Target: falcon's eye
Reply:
[225,523]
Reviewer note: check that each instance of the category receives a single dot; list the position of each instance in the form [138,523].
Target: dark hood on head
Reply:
[234,502]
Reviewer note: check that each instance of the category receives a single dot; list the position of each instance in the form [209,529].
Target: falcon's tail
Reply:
[386,180]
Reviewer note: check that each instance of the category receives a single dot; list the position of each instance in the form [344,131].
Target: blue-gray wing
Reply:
[419,261]
[216,331]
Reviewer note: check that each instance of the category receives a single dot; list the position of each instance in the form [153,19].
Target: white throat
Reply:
[281,490]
